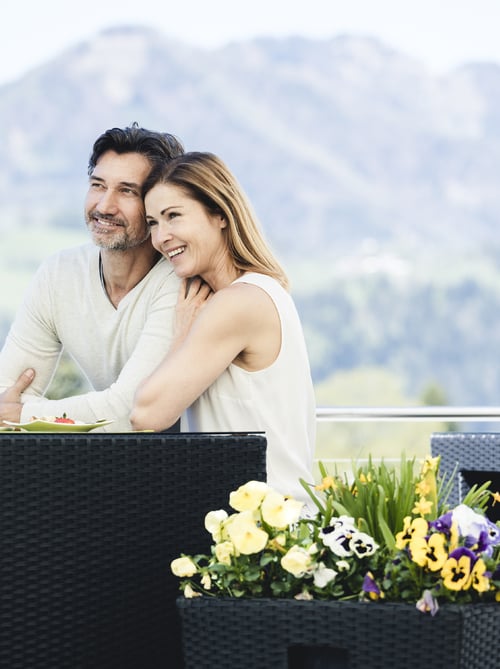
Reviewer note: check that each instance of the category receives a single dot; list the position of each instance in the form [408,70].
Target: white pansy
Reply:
[469,523]
[323,575]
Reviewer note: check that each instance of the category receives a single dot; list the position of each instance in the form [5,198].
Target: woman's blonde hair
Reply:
[205,177]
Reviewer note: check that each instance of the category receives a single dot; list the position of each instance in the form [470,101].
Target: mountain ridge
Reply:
[339,140]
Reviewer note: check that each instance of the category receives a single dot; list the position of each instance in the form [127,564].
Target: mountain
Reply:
[335,141]
[376,182]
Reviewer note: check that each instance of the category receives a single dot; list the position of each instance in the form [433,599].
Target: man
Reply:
[109,304]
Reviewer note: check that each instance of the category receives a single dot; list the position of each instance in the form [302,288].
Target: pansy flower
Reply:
[248,496]
[471,524]
[362,545]
[297,561]
[338,540]
[323,575]
[214,523]
[480,576]
[443,523]
[244,533]
[342,521]
[371,588]
[481,545]
[429,552]
[427,603]
[411,528]
[456,571]
[280,511]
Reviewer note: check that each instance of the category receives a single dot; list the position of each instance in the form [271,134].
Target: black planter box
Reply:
[287,634]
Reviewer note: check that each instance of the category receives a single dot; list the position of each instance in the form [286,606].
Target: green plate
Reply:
[49,426]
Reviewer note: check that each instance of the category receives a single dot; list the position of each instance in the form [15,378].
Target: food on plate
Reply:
[57,419]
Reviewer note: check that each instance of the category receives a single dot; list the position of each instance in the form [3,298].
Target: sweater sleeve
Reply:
[32,340]
[115,402]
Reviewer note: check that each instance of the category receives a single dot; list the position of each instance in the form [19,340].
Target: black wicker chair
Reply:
[89,524]
[474,457]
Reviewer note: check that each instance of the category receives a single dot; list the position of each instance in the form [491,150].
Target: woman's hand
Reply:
[193,296]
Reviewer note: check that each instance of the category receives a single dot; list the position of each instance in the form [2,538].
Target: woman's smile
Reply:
[175,252]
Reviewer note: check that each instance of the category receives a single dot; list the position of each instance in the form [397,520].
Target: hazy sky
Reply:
[440,33]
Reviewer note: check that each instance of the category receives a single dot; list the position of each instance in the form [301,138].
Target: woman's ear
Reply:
[223,222]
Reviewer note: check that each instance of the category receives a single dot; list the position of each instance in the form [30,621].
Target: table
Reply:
[89,524]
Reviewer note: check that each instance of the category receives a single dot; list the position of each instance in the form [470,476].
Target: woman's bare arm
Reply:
[237,324]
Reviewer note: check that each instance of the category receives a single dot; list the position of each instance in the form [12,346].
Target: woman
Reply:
[238,361]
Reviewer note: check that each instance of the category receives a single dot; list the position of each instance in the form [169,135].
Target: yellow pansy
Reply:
[456,573]
[479,581]
[248,496]
[280,511]
[411,528]
[246,536]
[183,567]
[297,561]
[429,552]
[213,523]
[224,551]
[454,536]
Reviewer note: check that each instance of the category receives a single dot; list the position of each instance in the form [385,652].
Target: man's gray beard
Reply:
[123,244]
[115,245]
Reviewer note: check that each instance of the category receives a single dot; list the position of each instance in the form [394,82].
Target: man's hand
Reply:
[10,399]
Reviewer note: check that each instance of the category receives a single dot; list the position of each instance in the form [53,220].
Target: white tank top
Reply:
[278,400]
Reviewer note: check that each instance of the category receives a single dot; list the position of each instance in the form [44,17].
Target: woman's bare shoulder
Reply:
[242,297]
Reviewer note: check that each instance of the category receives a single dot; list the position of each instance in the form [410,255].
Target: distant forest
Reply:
[426,333]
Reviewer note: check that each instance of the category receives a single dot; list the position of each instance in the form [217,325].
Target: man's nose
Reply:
[108,202]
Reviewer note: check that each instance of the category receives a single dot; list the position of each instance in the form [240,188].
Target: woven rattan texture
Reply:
[88,526]
[251,634]
[466,451]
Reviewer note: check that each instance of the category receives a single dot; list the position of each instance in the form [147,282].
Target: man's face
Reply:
[114,210]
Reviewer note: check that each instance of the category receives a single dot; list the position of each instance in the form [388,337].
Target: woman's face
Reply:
[184,232]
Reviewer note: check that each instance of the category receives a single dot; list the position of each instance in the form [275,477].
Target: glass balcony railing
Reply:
[348,434]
